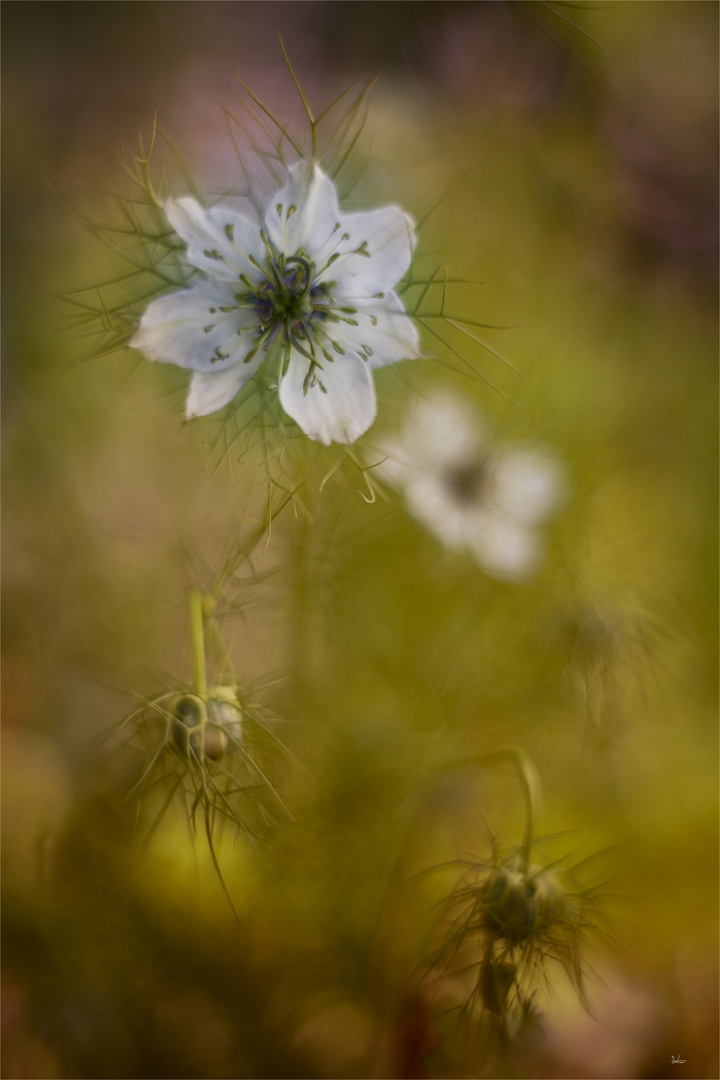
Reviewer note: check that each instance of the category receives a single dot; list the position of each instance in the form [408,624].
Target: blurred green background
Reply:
[587,139]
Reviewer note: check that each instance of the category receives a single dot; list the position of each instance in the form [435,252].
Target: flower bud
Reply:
[509,904]
[517,905]
[550,901]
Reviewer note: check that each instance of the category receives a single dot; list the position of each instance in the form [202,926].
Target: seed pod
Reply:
[508,910]
[207,728]
[194,732]
[223,730]
[215,740]
[189,715]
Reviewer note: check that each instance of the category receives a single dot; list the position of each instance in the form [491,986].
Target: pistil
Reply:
[290,306]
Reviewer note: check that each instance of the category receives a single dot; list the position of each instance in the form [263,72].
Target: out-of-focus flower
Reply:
[472,493]
[310,290]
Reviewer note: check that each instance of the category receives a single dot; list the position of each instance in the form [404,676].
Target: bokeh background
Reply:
[585,137]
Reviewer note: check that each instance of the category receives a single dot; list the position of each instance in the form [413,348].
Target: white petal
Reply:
[392,463]
[209,391]
[174,328]
[526,486]
[217,230]
[341,414]
[316,214]
[444,433]
[386,235]
[505,550]
[385,328]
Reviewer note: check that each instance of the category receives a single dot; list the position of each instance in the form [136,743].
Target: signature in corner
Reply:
[677,1060]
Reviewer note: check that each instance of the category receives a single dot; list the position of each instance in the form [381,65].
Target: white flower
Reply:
[310,289]
[470,493]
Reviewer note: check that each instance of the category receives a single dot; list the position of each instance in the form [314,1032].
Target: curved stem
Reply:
[418,822]
[197,627]
[532,792]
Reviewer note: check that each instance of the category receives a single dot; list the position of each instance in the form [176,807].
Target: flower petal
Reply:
[375,256]
[343,412]
[364,253]
[443,432]
[210,390]
[505,550]
[219,241]
[315,217]
[385,332]
[189,329]
[527,486]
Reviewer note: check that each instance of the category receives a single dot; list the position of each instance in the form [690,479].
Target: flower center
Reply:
[466,481]
[288,297]
[294,310]
[284,295]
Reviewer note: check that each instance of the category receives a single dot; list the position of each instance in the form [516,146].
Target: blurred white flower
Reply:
[472,493]
[310,288]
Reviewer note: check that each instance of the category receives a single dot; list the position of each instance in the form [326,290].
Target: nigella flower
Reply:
[309,291]
[471,493]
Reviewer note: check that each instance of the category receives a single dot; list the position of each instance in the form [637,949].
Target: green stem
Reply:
[532,791]
[420,823]
[302,607]
[197,626]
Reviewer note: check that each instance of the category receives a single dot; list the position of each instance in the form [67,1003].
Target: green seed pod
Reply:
[215,741]
[224,725]
[509,908]
[189,716]
[193,731]
[207,728]
[494,982]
